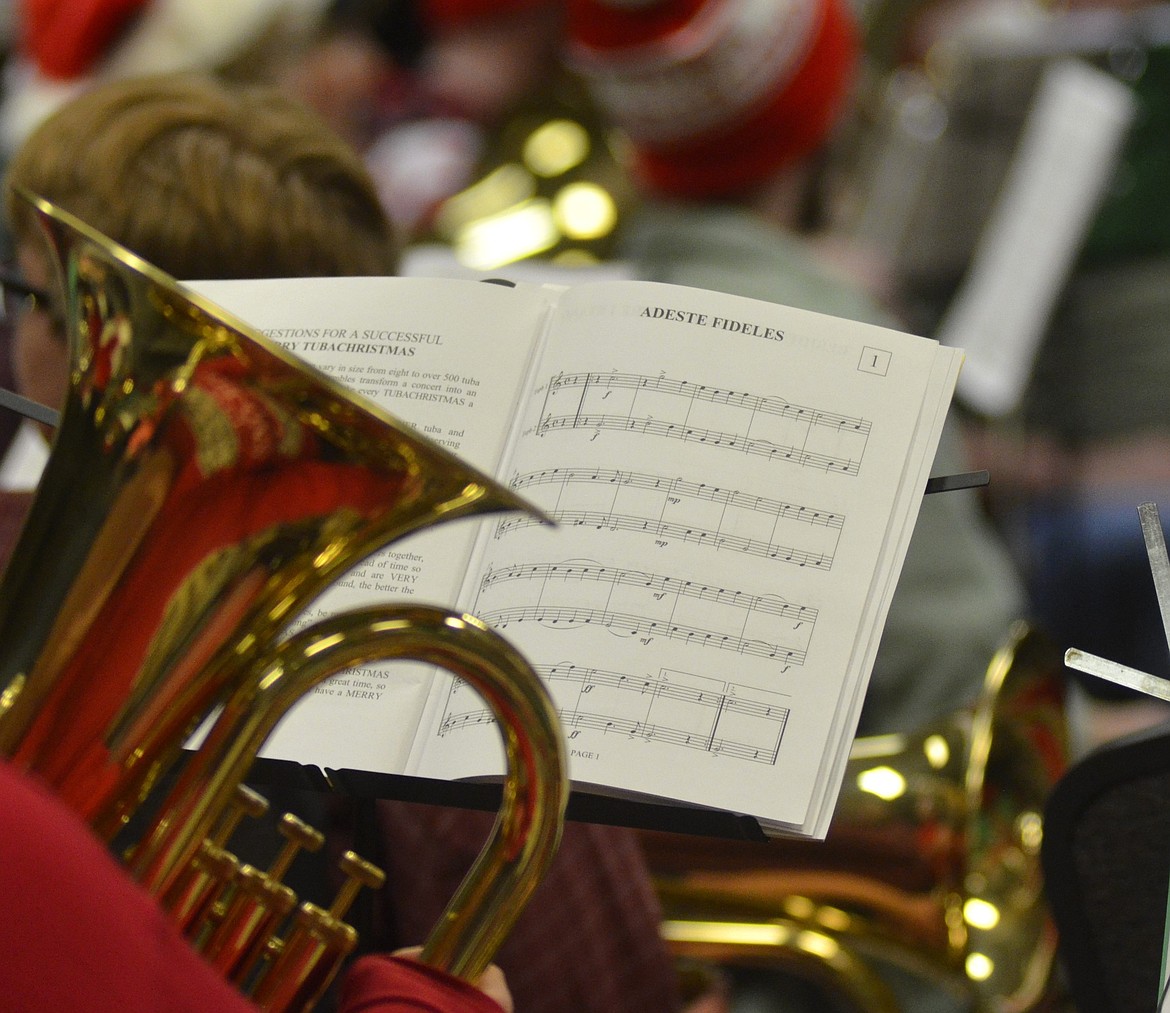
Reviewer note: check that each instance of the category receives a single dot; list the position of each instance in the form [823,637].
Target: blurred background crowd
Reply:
[489,131]
[988,172]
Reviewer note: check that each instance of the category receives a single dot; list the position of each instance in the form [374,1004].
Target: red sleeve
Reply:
[395,985]
[77,932]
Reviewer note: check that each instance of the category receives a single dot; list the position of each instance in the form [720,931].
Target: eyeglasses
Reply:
[21,297]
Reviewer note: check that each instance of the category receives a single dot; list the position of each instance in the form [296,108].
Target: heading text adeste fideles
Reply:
[710,320]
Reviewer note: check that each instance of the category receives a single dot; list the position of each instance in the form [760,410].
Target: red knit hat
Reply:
[65,38]
[716,94]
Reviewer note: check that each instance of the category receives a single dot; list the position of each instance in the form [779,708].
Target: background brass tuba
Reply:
[203,487]
[931,867]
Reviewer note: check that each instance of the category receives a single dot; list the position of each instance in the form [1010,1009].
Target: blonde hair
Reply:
[207,179]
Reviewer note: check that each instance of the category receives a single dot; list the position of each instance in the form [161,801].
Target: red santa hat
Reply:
[70,39]
[65,38]
[66,45]
[716,94]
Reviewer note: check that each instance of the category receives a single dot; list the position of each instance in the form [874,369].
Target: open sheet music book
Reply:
[735,483]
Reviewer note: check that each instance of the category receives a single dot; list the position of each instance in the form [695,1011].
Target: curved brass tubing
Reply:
[535,788]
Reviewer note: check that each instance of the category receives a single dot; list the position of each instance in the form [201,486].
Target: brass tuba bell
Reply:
[931,866]
[204,486]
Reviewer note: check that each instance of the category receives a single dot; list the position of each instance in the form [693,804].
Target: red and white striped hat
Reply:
[716,94]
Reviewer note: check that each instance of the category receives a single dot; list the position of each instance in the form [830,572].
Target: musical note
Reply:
[678,710]
[838,449]
[681,487]
[766,528]
[630,624]
[732,441]
[762,405]
[600,521]
[673,586]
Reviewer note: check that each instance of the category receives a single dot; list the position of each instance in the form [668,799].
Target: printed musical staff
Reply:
[645,627]
[698,391]
[765,426]
[673,487]
[644,606]
[669,509]
[672,586]
[672,708]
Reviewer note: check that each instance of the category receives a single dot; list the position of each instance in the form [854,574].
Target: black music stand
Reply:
[1106,860]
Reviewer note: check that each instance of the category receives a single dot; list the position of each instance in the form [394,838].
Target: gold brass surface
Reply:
[931,865]
[535,790]
[204,486]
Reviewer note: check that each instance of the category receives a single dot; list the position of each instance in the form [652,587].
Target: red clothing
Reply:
[78,933]
[384,984]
